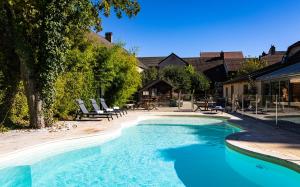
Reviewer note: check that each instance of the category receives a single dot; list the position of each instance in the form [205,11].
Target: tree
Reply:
[149,75]
[251,65]
[177,76]
[116,73]
[35,36]
[199,82]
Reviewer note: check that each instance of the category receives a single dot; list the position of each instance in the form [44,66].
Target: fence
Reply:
[281,111]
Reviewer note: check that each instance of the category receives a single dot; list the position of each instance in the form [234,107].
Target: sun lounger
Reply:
[116,110]
[219,105]
[84,112]
[108,110]
[218,108]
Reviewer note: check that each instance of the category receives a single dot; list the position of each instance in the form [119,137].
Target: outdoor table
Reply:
[130,106]
[149,104]
[204,104]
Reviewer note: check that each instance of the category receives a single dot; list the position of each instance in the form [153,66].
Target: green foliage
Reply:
[19,113]
[91,67]
[70,86]
[199,83]
[184,79]
[3,128]
[251,65]
[36,35]
[149,75]
[116,73]
[177,76]
[190,70]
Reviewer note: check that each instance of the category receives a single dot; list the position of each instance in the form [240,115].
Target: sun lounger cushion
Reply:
[116,108]
[99,111]
[109,110]
[219,107]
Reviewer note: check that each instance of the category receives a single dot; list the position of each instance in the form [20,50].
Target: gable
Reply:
[172,60]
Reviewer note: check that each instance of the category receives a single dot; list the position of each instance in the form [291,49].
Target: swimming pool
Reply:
[161,152]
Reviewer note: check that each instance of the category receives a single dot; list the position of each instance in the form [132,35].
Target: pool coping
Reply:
[255,154]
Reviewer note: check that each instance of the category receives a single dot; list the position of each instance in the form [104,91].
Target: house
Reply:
[217,66]
[108,42]
[161,90]
[281,78]
[273,56]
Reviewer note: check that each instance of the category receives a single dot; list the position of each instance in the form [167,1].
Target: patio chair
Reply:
[253,109]
[108,110]
[219,106]
[84,112]
[115,109]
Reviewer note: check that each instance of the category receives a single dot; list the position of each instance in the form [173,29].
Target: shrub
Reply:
[19,112]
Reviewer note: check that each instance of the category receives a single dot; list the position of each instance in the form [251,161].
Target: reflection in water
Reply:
[204,164]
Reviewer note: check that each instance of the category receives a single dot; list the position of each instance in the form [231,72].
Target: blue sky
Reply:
[187,27]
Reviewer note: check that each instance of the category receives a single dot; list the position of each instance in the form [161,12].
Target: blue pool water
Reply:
[156,153]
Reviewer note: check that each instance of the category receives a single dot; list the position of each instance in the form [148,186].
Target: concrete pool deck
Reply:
[258,137]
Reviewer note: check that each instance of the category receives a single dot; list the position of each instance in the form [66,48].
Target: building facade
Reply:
[280,80]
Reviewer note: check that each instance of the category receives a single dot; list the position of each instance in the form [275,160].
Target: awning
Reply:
[291,72]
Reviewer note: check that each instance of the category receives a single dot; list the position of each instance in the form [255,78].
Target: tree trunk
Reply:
[34,100]
[179,98]
[25,55]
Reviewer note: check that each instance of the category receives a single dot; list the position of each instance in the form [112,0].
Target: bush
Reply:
[19,112]
[125,80]
[69,87]
[87,69]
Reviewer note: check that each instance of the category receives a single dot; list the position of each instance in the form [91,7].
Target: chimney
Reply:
[108,36]
[222,55]
[272,50]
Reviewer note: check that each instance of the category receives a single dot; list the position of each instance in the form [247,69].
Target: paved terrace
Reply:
[258,137]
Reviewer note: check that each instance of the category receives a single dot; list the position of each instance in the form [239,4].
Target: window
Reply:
[284,91]
[275,88]
[154,92]
[266,89]
[295,92]
[146,93]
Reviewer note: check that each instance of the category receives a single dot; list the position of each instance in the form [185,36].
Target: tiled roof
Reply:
[173,59]
[233,64]
[149,85]
[203,66]
[233,55]
[230,54]
[210,54]
[217,73]
[142,65]
[151,61]
[273,58]
[255,74]
[200,64]
[94,37]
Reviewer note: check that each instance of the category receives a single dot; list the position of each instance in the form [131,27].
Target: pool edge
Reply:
[272,159]
[265,157]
